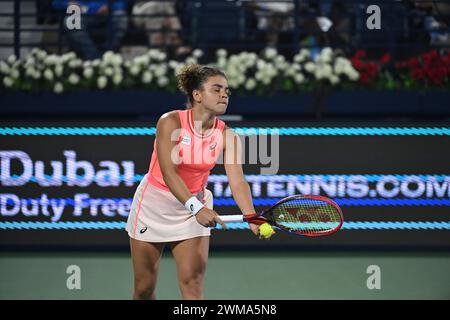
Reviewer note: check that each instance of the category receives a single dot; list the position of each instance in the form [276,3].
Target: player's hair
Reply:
[192,77]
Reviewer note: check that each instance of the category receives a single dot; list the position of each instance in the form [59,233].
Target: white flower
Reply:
[259,75]
[296,67]
[299,58]
[51,59]
[117,79]
[281,65]
[302,55]
[233,83]
[74,78]
[221,53]
[240,79]
[35,50]
[96,62]
[134,69]
[222,62]
[142,60]
[41,54]
[116,60]
[68,56]
[153,53]
[88,72]
[299,78]
[323,58]
[102,81]
[59,70]
[108,71]
[250,59]
[4,67]
[36,75]
[30,62]
[108,57]
[14,73]
[161,56]
[48,74]
[29,72]
[163,81]
[232,72]
[338,69]
[334,79]
[160,70]
[310,67]
[250,84]
[270,53]
[266,80]
[146,77]
[318,73]
[12,58]
[290,72]
[8,82]
[58,87]
[173,64]
[271,70]
[261,64]
[191,60]
[327,51]
[279,59]
[327,70]
[305,52]
[353,75]
[197,53]
[75,63]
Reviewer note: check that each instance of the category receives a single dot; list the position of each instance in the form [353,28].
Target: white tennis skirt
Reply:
[157,216]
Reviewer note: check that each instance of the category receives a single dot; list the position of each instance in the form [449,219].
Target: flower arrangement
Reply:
[262,74]
[430,69]
[266,73]
[374,73]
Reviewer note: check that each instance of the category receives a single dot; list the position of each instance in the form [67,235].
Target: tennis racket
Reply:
[307,215]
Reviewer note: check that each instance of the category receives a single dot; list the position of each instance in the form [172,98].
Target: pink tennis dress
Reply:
[156,215]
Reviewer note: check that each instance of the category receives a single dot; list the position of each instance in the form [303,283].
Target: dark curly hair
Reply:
[192,77]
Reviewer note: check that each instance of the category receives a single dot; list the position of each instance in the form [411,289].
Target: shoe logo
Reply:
[143,230]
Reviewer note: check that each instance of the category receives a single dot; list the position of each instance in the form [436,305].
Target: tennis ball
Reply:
[266,230]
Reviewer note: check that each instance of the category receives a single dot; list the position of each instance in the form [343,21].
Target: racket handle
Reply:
[232,218]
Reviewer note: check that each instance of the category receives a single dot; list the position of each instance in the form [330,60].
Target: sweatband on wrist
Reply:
[193,205]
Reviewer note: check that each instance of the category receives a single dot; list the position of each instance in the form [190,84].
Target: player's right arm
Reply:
[166,130]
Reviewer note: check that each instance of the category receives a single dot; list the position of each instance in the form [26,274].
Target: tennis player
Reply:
[171,204]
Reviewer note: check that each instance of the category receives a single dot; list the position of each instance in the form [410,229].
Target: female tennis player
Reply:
[171,204]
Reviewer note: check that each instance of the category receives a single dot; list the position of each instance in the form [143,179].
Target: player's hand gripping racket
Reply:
[307,215]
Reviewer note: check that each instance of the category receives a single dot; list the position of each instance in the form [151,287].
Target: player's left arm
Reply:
[233,167]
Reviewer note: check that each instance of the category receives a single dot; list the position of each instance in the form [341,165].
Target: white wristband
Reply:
[193,205]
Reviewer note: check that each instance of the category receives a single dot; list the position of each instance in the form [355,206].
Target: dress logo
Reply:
[186,140]
[143,230]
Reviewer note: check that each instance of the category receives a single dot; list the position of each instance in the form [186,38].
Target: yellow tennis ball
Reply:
[266,230]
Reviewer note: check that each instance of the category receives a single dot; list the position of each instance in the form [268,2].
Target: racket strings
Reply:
[307,215]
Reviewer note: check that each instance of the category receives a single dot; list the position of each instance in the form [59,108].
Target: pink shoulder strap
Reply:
[183,114]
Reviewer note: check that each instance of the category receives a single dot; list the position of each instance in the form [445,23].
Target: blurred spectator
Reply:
[320,23]
[435,17]
[98,19]
[273,17]
[46,14]
[163,28]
